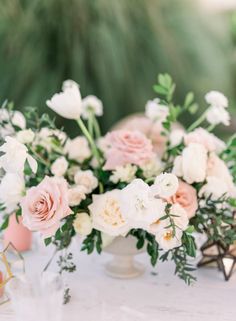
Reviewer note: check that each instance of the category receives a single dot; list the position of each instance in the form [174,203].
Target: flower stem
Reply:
[197,122]
[90,140]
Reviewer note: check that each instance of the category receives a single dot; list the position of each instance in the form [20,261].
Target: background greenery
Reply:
[113,49]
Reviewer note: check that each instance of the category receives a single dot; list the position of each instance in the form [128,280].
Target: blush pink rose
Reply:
[186,196]
[127,147]
[203,137]
[45,205]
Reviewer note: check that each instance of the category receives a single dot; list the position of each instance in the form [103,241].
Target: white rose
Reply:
[165,185]
[25,136]
[14,157]
[91,103]
[152,168]
[12,188]
[59,167]
[77,149]
[139,207]
[86,179]
[217,99]
[176,137]
[68,103]
[167,239]
[155,111]
[106,213]
[83,224]
[124,173]
[45,138]
[72,171]
[215,187]
[75,195]
[192,164]
[218,115]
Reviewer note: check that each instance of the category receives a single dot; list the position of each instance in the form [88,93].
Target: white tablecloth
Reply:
[161,297]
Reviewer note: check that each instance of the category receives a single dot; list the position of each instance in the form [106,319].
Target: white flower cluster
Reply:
[155,111]
[217,112]
[139,205]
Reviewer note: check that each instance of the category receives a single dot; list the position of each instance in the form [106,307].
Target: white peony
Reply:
[192,165]
[12,189]
[176,137]
[218,115]
[86,179]
[25,136]
[14,157]
[83,224]
[107,215]
[152,168]
[217,99]
[139,207]
[165,185]
[68,103]
[215,187]
[59,167]
[156,111]
[93,104]
[77,149]
[124,173]
[76,194]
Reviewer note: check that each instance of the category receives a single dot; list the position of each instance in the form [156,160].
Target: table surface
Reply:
[158,296]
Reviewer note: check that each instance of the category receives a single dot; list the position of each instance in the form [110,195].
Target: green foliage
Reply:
[93,241]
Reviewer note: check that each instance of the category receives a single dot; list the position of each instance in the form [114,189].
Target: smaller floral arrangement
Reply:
[151,179]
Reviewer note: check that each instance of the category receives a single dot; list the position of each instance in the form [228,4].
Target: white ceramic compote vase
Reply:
[123,265]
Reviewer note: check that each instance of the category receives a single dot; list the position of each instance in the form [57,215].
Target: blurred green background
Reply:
[114,49]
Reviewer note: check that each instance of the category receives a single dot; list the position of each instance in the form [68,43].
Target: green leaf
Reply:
[189,99]
[47,241]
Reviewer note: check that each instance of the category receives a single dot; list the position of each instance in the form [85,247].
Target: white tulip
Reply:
[217,99]
[68,103]
[87,180]
[77,149]
[83,224]
[25,136]
[12,188]
[139,207]
[59,167]
[218,115]
[106,213]
[14,156]
[156,111]
[165,185]
[91,104]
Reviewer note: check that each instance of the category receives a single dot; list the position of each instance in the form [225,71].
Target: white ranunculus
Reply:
[12,188]
[193,163]
[77,149]
[93,104]
[107,215]
[25,136]
[83,224]
[152,168]
[156,111]
[59,167]
[217,99]
[167,239]
[165,185]
[139,207]
[68,103]
[124,173]
[215,187]
[176,137]
[218,115]
[86,179]
[14,157]
[76,194]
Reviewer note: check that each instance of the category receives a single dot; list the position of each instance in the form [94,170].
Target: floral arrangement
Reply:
[151,178]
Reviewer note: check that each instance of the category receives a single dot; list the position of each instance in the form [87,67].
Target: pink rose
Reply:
[127,147]
[45,205]
[150,129]
[186,196]
[203,137]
